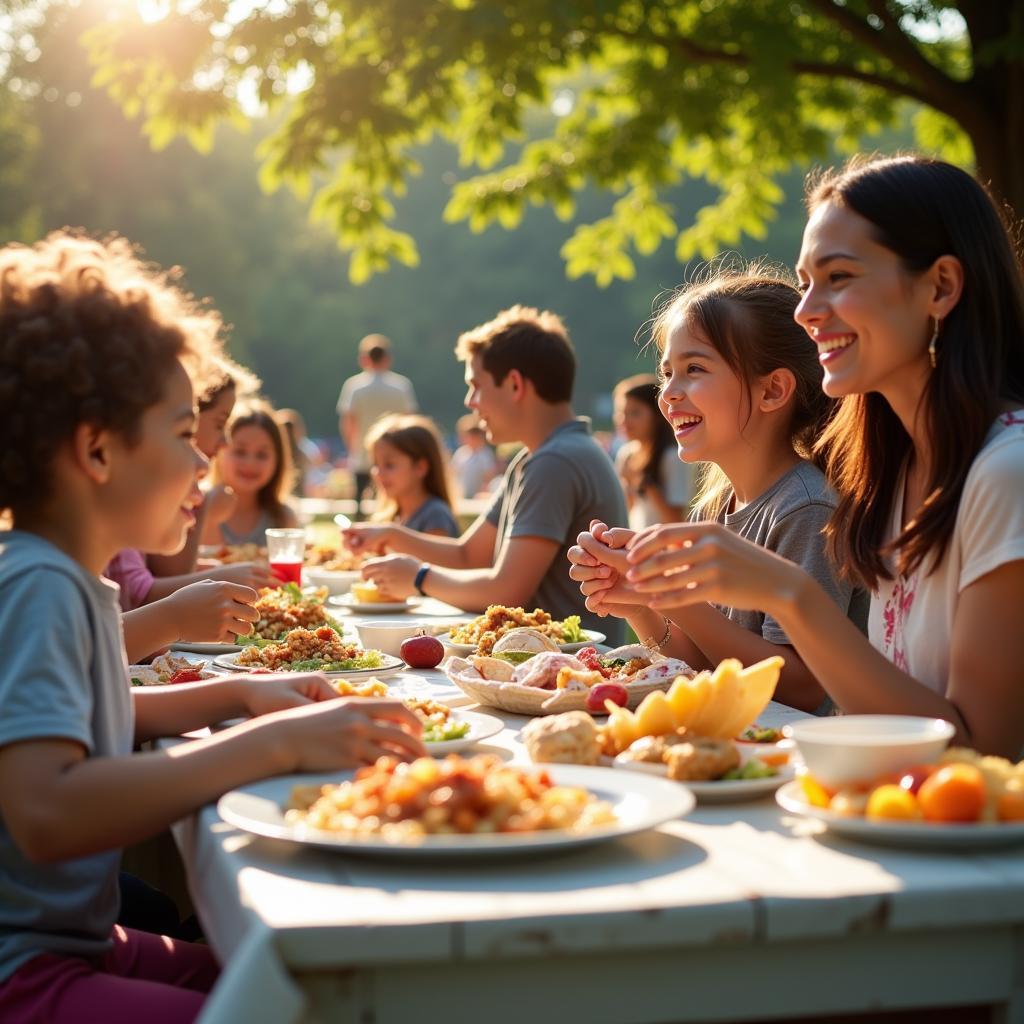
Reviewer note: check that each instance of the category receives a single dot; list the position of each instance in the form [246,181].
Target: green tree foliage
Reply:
[648,93]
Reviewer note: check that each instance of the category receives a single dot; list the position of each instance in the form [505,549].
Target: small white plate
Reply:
[481,727]
[923,835]
[717,791]
[639,802]
[336,581]
[390,667]
[349,602]
[592,637]
[201,648]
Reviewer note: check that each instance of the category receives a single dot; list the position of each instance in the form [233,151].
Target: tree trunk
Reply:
[996,127]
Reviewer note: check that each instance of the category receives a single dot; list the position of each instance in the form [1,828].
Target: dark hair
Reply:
[88,334]
[532,342]
[271,496]
[746,314]
[376,348]
[644,388]
[922,209]
[417,437]
[223,375]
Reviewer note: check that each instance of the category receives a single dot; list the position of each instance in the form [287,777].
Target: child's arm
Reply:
[78,805]
[209,611]
[246,574]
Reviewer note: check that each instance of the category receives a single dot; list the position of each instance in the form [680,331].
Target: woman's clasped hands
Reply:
[672,565]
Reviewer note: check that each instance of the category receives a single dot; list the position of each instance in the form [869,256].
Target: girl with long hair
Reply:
[913,299]
[411,474]
[256,465]
[742,392]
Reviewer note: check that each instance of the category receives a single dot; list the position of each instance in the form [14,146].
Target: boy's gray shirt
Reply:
[554,492]
[63,675]
[788,519]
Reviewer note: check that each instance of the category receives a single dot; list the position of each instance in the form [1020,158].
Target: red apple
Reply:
[600,692]
[422,651]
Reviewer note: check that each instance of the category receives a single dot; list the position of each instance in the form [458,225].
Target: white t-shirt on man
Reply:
[368,396]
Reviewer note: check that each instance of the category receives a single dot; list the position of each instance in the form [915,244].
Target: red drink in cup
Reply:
[286,549]
[287,572]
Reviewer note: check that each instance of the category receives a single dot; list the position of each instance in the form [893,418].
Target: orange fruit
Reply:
[1010,805]
[955,793]
[814,792]
[892,802]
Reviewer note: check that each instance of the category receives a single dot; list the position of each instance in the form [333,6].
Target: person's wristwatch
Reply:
[421,575]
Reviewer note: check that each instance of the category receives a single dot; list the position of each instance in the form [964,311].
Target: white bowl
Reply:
[336,582]
[387,634]
[852,749]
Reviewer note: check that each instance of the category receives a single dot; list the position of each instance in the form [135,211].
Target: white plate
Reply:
[592,637]
[200,648]
[349,602]
[481,727]
[917,834]
[718,791]
[390,667]
[640,803]
[336,581]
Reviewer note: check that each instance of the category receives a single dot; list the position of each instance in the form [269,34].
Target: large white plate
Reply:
[349,602]
[640,803]
[390,666]
[592,637]
[201,648]
[718,791]
[917,834]
[481,727]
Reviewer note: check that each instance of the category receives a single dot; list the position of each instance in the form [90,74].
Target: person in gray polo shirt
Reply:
[519,373]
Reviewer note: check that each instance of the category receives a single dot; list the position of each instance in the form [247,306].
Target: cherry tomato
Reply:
[956,792]
[602,692]
[892,802]
[912,778]
[185,675]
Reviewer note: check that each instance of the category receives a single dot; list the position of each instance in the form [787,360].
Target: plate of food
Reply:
[513,809]
[963,799]
[166,670]
[527,674]
[280,609]
[313,650]
[447,731]
[231,554]
[353,604]
[479,635]
[915,834]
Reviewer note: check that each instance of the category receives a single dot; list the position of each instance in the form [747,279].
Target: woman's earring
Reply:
[931,344]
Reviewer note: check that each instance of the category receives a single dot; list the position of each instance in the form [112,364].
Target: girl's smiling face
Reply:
[397,475]
[249,462]
[701,397]
[868,316]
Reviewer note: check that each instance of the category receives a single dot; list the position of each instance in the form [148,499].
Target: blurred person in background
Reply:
[474,463]
[374,392]
[304,451]
[657,484]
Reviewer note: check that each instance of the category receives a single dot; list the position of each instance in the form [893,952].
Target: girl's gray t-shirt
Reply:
[788,519]
[63,675]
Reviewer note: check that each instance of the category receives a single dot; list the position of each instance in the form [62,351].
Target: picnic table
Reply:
[735,912]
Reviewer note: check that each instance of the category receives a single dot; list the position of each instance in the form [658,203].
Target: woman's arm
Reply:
[984,698]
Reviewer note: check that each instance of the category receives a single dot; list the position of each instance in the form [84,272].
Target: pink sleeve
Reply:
[128,569]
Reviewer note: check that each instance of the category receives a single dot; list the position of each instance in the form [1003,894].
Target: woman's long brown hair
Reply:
[922,209]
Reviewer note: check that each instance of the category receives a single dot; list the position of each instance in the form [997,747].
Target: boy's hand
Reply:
[212,611]
[277,691]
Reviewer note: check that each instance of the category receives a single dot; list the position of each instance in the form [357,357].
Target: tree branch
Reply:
[807,67]
[939,90]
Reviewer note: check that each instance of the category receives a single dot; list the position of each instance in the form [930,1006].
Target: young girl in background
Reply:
[742,392]
[914,302]
[658,485]
[411,474]
[256,465]
[97,432]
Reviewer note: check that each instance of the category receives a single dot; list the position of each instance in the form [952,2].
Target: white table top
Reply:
[732,874]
